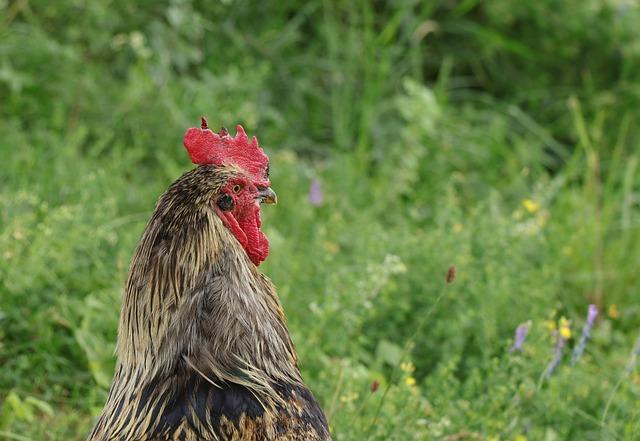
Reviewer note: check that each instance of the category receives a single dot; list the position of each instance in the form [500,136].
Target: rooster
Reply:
[203,349]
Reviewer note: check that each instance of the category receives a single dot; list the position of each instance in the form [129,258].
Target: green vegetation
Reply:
[499,136]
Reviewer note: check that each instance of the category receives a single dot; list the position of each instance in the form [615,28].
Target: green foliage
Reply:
[497,136]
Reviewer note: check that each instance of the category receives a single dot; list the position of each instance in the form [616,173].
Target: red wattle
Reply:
[246,230]
[257,243]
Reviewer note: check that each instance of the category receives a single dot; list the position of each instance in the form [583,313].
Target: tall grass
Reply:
[500,137]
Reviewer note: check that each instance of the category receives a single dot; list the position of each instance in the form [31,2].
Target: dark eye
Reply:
[236,188]
[225,202]
[266,173]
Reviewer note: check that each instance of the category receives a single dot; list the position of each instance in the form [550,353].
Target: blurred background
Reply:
[405,136]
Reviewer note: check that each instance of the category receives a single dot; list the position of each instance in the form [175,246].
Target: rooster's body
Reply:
[203,348]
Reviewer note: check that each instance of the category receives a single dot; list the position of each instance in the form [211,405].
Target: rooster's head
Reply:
[237,203]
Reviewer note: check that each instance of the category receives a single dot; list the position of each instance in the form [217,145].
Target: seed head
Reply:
[451,274]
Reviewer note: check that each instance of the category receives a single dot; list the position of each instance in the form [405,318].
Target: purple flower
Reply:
[591,315]
[586,333]
[315,193]
[521,335]
[557,355]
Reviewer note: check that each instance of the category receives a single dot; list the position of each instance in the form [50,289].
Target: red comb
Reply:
[207,147]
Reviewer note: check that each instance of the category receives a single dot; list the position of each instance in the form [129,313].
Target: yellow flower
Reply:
[530,205]
[520,438]
[565,328]
[351,396]
[565,333]
[614,312]
[407,367]
[410,381]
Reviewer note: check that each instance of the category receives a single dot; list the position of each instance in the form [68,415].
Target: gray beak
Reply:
[267,196]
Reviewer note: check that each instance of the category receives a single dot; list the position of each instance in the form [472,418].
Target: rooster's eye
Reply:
[225,202]
[236,188]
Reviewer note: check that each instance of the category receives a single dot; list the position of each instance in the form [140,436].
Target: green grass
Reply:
[501,137]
